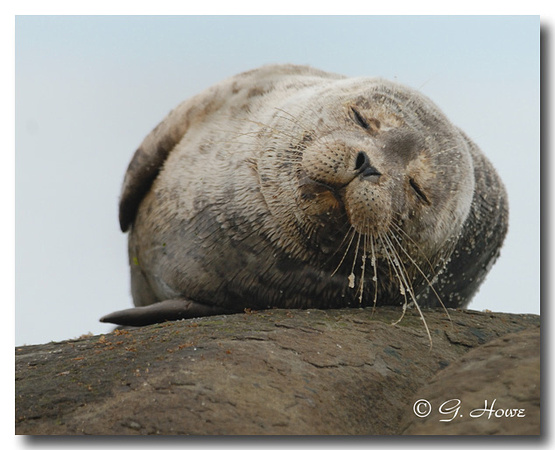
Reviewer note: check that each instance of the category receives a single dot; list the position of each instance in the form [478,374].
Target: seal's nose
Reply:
[363,167]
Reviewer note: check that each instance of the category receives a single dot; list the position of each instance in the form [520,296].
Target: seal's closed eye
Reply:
[371,125]
[359,119]
[419,191]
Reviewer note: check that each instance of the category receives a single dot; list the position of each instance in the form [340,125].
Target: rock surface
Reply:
[293,372]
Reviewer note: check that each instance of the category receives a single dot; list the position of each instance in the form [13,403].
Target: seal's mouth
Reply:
[333,193]
[318,198]
[362,169]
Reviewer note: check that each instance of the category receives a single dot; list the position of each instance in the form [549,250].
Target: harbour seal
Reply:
[291,187]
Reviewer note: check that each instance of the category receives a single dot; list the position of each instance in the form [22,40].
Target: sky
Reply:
[88,89]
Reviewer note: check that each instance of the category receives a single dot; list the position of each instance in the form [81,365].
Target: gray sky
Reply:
[89,89]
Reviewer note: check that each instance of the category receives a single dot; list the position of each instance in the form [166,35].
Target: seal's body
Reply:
[291,187]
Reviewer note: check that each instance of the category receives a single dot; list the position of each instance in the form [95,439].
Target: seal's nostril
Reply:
[370,171]
[362,162]
[363,167]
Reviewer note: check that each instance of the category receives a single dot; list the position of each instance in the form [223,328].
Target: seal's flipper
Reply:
[167,310]
[147,162]
[150,157]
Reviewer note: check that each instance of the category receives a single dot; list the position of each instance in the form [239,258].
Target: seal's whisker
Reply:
[404,275]
[353,230]
[401,267]
[292,118]
[326,126]
[416,246]
[263,126]
[417,266]
[393,265]
[373,263]
[398,263]
[330,135]
[363,267]
[351,277]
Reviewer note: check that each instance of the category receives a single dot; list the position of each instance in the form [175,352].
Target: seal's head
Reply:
[373,160]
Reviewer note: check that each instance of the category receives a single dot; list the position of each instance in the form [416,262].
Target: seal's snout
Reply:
[363,167]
